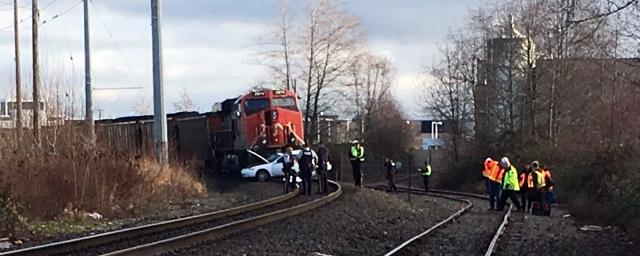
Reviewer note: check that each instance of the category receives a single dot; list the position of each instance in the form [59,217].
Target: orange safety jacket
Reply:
[529,180]
[486,172]
[492,171]
[547,177]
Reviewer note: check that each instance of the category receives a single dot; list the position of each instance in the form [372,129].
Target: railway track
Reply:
[411,246]
[169,235]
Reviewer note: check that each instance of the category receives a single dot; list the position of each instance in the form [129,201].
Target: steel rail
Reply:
[128,233]
[226,229]
[501,229]
[451,218]
[496,237]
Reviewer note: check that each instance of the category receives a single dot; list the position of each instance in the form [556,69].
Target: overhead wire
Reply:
[113,40]
[56,16]
[61,14]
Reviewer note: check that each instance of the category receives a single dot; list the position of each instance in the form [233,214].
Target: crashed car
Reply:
[272,167]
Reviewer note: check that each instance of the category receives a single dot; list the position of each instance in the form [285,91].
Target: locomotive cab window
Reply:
[253,106]
[285,102]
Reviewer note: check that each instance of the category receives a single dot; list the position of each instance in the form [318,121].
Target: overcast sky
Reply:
[207,45]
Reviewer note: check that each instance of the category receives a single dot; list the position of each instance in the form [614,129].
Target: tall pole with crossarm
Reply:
[159,114]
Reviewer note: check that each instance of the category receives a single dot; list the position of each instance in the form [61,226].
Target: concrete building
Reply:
[8,113]
[334,130]
[504,77]
[520,97]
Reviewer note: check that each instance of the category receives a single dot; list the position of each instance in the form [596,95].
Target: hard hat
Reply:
[355,142]
[535,164]
[505,162]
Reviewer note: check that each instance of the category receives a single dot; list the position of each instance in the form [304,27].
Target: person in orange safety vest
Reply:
[551,198]
[493,179]
[527,193]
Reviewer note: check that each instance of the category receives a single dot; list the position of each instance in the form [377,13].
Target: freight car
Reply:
[226,139]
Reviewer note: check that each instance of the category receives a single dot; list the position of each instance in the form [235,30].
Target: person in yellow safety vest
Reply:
[542,183]
[510,186]
[492,178]
[426,173]
[527,189]
[356,155]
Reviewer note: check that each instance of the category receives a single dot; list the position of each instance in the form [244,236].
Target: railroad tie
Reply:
[513,239]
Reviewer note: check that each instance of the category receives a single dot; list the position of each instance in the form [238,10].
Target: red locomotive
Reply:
[262,121]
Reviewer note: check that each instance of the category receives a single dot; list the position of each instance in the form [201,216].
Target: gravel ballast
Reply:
[539,235]
[470,234]
[557,235]
[361,222]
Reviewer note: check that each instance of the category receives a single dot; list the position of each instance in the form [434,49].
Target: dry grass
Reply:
[65,174]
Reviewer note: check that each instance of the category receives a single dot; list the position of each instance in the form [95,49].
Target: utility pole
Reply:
[159,114]
[87,77]
[35,23]
[16,41]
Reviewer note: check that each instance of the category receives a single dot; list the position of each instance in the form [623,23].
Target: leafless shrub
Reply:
[74,175]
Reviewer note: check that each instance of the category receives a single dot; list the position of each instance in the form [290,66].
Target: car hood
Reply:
[260,166]
[258,156]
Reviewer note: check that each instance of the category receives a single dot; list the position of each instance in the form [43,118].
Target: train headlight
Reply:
[274,115]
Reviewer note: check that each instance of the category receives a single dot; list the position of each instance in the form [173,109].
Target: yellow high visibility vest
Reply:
[511,179]
[426,171]
[540,179]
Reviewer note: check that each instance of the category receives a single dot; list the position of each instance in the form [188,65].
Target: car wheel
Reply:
[262,175]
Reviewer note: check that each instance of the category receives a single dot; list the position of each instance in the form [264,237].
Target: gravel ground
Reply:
[223,193]
[468,235]
[556,235]
[537,235]
[361,222]
[178,232]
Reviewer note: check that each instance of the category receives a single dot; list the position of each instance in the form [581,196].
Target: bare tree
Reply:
[369,83]
[281,50]
[449,95]
[317,51]
[329,41]
[142,106]
[611,7]
[185,102]
[392,136]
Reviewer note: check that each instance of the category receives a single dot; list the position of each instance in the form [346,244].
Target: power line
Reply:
[113,40]
[61,14]
[56,16]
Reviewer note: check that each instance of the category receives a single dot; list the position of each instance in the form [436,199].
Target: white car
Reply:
[271,168]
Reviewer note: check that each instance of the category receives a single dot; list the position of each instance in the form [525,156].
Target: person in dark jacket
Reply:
[287,169]
[356,156]
[527,190]
[322,171]
[306,161]
[390,167]
[426,174]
